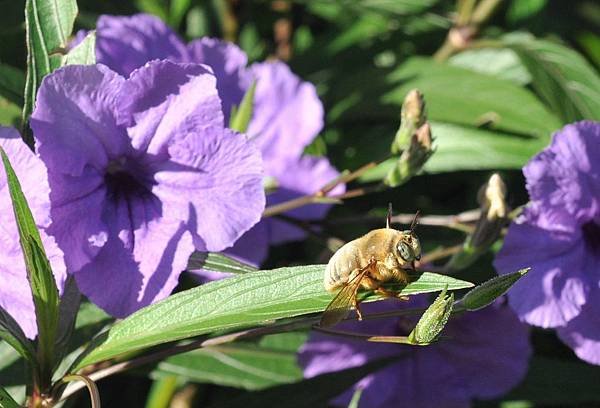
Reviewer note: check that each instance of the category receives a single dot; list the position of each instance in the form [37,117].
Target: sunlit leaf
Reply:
[244,300]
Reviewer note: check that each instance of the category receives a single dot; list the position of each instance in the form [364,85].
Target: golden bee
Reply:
[380,256]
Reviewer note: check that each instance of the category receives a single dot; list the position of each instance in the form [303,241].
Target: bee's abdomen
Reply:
[340,266]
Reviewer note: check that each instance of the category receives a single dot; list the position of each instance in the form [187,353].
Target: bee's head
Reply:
[408,247]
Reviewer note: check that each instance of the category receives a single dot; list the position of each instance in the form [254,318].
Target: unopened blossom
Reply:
[142,171]
[15,293]
[558,236]
[481,355]
[287,113]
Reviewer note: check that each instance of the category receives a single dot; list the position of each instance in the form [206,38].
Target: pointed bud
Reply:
[412,117]
[433,321]
[494,213]
[413,158]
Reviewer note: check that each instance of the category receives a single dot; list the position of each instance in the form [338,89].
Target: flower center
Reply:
[125,180]
[591,235]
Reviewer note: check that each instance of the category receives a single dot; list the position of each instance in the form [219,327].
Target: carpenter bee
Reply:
[377,257]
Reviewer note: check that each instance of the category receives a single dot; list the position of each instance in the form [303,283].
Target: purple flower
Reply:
[558,235]
[142,171]
[287,113]
[15,293]
[484,354]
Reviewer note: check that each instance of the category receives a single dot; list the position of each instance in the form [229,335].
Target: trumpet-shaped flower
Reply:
[558,235]
[15,293]
[287,113]
[142,171]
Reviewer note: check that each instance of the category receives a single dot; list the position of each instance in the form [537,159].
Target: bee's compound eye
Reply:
[405,251]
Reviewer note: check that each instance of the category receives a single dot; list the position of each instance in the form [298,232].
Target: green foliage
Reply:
[39,273]
[84,53]
[48,25]
[484,294]
[568,84]
[241,301]
[6,401]
[240,116]
[218,263]
[12,84]
[252,366]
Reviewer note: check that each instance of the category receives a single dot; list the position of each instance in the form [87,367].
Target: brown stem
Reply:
[440,253]
[466,27]
[321,195]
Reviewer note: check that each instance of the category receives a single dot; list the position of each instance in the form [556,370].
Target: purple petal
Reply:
[287,115]
[555,289]
[564,175]
[175,114]
[163,101]
[15,293]
[73,121]
[141,261]
[76,134]
[226,192]
[228,63]
[484,355]
[126,43]
[581,333]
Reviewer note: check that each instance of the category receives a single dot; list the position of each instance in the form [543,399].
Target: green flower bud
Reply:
[433,321]
[412,117]
[413,158]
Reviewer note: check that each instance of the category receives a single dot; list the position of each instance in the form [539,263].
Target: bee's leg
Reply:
[388,293]
[355,303]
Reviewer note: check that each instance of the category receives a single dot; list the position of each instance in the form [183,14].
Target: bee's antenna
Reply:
[388,220]
[414,222]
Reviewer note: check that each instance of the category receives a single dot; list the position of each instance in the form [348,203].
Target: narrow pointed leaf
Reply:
[568,84]
[11,332]
[6,401]
[48,25]
[484,294]
[39,273]
[84,53]
[217,262]
[242,301]
[240,117]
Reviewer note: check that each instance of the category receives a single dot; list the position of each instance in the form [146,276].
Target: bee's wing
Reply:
[341,304]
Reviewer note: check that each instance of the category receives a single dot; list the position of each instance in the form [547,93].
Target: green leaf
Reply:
[10,114]
[520,10]
[500,63]
[48,26]
[12,334]
[162,391]
[68,308]
[12,84]
[6,401]
[84,53]
[484,294]
[241,365]
[250,365]
[41,279]
[466,148]
[462,96]
[217,262]
[568,84]
[316,391]
[240,116]
[244,300]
